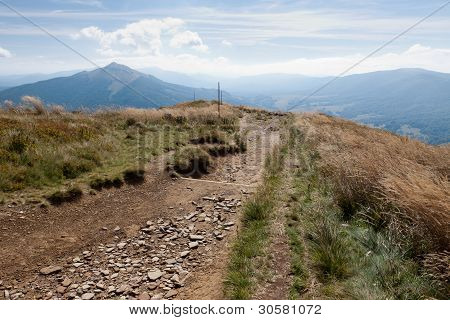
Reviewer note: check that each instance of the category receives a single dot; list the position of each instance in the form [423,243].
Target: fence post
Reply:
[218,98]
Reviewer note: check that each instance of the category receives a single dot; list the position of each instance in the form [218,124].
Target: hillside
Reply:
[100,87]
[179,203]
[412,102]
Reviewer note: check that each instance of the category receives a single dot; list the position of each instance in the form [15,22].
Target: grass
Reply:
[403,182]
[348,255]
[45,149]
[252,239]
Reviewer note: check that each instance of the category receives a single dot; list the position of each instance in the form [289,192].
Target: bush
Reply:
[59,197]
[34,103]
[133,176]
[213,136]
[191,161]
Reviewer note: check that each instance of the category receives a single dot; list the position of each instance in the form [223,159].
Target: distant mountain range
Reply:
[114,85]
[412,102]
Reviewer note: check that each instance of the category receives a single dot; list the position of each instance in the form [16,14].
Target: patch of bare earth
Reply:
[163,238]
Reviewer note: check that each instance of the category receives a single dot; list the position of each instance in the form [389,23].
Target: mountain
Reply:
[114,85]
[413,102]
[194,80]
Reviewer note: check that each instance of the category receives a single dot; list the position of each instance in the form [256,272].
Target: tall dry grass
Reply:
[200,111]
[400,183]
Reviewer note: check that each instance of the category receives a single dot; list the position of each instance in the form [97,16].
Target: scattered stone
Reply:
[184,254]
[228,224]
[87,296]
[158,296]
[60,289]
[50,269]
[66,282]
[195,237]
[104,272]
[171,293]
[154,275]
[144,296]
[193,245]
[123,289]
[116,229]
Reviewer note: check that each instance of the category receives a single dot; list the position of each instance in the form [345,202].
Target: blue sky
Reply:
[224,37]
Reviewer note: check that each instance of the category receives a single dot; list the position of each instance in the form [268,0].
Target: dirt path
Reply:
[279,281]
[159,239]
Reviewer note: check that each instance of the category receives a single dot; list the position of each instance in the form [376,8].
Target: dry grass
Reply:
[195,112]
[398,182]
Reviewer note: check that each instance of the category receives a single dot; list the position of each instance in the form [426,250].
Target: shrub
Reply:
[71,194]
[57,109]
[191,161]
[211,136]
[134,175]
[34,103]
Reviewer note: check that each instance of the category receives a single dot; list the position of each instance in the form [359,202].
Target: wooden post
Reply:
[218,98]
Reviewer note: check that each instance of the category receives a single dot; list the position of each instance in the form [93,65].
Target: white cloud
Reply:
[91,3]
[143,38]
[416,56]
[5,53]
[226,43]
[190,39]
[138,38]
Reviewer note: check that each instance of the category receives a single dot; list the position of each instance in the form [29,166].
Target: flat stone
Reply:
[60,289]
[193,245]
[66,282]
[158,296]
[104,272]
[116,229]
[144,296]
[123,289]
[175,278]
[184,254]
[171,293]
[87,296]
[195,237]
[171,261]
[154,275]
[50,269]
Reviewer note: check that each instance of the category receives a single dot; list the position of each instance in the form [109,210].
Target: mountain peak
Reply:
[116,66]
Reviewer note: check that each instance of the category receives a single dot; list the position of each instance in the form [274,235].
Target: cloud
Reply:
[226,43]
[416,56]
[190,39]
[143,38]
[90,3]
[5,53]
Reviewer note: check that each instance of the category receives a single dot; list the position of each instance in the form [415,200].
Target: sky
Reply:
[230,38]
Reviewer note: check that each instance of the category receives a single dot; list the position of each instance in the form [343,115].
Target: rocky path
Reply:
[161,239]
